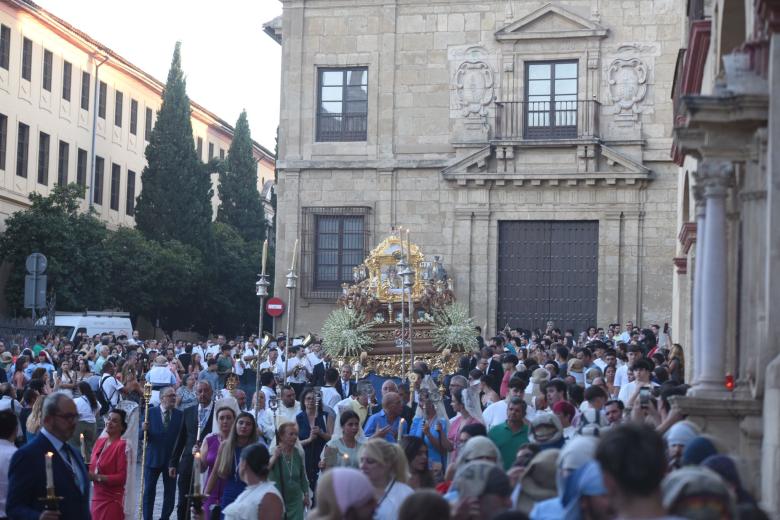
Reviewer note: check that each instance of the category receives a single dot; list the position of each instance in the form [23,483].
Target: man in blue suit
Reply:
[163,429]
[27,472]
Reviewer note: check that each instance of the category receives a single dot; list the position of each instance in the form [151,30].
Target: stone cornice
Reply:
[350,164]
[584,28]
[549,179]
[687,236]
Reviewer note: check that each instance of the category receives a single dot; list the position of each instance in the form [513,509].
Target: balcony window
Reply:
[551,100]
[342,104]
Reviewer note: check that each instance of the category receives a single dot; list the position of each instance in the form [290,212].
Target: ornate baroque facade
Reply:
[526,143]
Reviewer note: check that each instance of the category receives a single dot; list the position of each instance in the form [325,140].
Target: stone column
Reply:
[716,175]
[698,270]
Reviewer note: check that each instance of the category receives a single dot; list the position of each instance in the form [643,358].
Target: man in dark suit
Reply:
[196,424]
[346,386]
[162,429]
[27,471]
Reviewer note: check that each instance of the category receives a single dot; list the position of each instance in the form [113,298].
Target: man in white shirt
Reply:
[634,353]
[268,385]
[330,396]
[8,430]
[273,363]
[625,337]
[288,406]
[642,369]
[298,369]
[111,387]
[496,413]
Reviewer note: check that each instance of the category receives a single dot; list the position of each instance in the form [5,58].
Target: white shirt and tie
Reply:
[69,457]
[344,387]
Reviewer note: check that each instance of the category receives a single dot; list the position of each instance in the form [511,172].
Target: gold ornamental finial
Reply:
[147,391]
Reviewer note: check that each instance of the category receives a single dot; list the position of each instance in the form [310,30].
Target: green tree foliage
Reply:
[240,204]
[72,242]
[175,199]
[231,303]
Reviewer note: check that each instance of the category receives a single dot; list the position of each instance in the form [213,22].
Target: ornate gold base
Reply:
[389,365]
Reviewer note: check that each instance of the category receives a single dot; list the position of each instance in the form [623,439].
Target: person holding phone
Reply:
[630,393]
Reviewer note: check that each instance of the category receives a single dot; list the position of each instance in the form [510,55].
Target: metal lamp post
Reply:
[401,270]
[261,287]
[408,278]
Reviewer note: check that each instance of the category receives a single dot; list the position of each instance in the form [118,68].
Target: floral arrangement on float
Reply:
[346,333]
[453,329]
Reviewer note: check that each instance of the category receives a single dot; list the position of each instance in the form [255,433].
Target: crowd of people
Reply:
[541,424]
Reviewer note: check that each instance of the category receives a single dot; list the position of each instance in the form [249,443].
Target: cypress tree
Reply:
[175,199]
[240,204]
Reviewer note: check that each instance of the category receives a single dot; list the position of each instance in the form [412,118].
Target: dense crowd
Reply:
[542,424]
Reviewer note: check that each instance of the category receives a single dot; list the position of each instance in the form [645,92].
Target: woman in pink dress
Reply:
[108,470]
[226,416]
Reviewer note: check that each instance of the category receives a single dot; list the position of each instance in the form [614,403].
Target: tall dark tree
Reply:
[175,199]
[240,205]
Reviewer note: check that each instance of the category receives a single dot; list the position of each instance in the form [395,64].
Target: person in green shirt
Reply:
[513,433]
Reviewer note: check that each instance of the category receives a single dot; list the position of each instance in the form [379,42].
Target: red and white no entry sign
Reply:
[274,307]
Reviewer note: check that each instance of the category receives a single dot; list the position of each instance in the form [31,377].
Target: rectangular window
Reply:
[5,46]
[130,202]
[102,100]
[551,100]
[67,70]
[43,158]
[211,151]
[22,149]
[116,175]
[342,104]
[48,63]
[27,59]
[62,163]
[133,116]
[199,148]
[81,168]
[85,79]
[148,124]
[222,154]
[118,106]
[3,139]
[98,188]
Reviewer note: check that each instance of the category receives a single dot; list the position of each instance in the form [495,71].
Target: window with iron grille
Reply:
[27,50]
[116,177]
[81,168]
[3,139]
[67,70]
[342,104]
[22,149]
[335,239]
[551,100]
[5,46]
[43,158]
[118,107]
[62,163]
[133,116]
[148,124]
[85,79]
[102,100]
[130,200]
[98,188]
[48,60]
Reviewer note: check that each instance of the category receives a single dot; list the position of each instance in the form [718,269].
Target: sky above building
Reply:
[229,62]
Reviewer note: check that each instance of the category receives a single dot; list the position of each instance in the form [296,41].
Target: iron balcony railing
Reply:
[530,120]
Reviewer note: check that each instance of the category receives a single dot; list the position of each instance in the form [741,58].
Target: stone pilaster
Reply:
[697,283]
[716,176]
[480,266]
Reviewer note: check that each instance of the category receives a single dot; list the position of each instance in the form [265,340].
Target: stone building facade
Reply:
[525,143]
[727,279]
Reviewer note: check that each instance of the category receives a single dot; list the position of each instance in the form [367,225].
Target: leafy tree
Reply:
[240,204]
[175,199]
[72,243]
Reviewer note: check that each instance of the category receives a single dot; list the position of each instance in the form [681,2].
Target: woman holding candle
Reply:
[314,430]
[260,498]
[287,472]
[108,469]
[342,451]
[225,417]
[243,433]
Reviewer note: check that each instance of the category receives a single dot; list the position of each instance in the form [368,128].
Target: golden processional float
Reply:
[400,308]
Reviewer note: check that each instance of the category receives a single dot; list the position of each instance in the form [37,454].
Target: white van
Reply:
[69,324]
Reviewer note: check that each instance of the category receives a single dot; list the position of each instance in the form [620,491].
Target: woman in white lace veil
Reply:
[466,404]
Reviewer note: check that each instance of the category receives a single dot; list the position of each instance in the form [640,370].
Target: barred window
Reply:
[335,239]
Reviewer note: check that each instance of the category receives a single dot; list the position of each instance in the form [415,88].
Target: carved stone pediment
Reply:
[551,21]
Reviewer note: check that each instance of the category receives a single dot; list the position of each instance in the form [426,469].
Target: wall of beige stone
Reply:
[416,130]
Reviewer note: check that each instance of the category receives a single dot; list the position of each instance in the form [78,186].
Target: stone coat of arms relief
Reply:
[473,83]
[627,79]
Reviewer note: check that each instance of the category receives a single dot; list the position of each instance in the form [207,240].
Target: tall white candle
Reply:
[196,464]
[83,448]
[49,471]
[265,253]
[401,428]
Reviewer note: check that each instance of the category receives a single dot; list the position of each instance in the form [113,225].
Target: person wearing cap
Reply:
[6,363]
[697,492]
[677,439]
[546,431]
[483,490]
[513,433]
[585,497]
[538,481]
